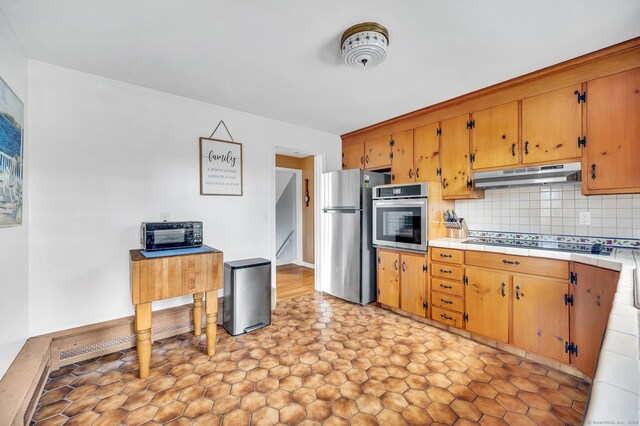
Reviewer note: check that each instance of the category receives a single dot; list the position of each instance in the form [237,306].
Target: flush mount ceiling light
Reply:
[364,45]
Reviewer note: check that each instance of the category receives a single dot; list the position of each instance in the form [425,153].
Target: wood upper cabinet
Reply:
[487,303]
[353,156]
[592,290]
[402,158]
[413,279]
[494,137]
[389,278]
[613,134]
[454,151]
[551,126]
[426,152]
[540,316]
[377,153]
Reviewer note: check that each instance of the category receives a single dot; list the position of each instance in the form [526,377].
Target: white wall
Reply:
[286,220]
[553,209]
[108,155]
[14,307]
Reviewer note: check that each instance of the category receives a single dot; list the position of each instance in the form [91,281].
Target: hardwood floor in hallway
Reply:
[294,280]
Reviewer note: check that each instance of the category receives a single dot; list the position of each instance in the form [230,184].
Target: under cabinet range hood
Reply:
[535,175]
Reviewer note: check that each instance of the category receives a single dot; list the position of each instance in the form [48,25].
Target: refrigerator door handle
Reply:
[342,210]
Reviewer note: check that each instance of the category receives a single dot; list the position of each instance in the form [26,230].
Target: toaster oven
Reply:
[170,235]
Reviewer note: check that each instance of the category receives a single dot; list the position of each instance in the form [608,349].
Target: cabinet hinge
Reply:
[465,280]
[392,143]
[469,183]
[438,172]
[471,124]
[582,97]
[573,278]
[568,299]
[391,155]
[582,141]
[378,259]
[378,292]
[465,317]
[571,348]
[424,268]
[438,132]
[425,305]
[472,158]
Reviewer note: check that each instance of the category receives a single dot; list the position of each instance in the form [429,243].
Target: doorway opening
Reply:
[295,225]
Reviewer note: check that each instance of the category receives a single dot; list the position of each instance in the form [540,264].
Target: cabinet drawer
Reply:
[447,301]
[455,288]
[449,272]
[522,264]
[451,318]
[446,255]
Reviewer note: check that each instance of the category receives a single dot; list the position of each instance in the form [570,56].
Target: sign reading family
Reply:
[220,167]
[11,113]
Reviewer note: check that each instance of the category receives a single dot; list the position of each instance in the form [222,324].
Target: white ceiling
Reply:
[280,58]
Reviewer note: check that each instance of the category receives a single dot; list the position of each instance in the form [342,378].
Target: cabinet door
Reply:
[551,126]
[426,152]
[487,303]
[353,156]
[402,160]
[593,294]
[494,137]
[377,153]
[389,278]
[540,317]
[613,133]
[413,279]
[454,149]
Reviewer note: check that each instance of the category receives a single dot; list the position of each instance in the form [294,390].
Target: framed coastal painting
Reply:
[11,140]
[220,167]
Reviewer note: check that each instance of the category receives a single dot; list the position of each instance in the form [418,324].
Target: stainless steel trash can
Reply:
[247,295]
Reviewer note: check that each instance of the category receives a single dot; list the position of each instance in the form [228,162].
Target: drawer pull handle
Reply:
[446,255]
[502,289]
[448,302]
[510,262]
[447,317]
[446,286]
[444,271]
[517,292]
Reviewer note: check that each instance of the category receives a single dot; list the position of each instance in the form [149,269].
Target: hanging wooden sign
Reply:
[220,167]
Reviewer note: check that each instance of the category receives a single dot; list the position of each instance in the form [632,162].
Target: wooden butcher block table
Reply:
[172,275]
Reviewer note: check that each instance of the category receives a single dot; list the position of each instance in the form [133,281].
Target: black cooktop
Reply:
[543,245]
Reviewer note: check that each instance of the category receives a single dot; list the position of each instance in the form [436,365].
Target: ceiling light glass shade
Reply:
[365,45]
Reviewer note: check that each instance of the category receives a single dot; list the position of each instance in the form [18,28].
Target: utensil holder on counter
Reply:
[457,229]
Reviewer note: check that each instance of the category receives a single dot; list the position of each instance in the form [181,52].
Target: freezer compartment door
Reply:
[342,189]
[341,254]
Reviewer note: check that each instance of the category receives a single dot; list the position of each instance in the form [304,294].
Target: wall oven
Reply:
[400,216]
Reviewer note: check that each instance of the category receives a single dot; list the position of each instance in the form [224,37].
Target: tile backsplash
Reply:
[553,209]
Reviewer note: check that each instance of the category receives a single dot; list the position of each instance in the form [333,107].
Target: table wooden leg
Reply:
[143,337]
[211,309]
[197,313]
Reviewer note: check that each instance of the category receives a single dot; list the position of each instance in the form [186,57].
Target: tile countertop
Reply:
[615,391]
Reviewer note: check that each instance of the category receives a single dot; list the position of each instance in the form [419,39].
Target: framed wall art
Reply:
[220,167]
[11,141]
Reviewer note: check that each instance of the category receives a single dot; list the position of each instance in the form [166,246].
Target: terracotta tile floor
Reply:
[322,361]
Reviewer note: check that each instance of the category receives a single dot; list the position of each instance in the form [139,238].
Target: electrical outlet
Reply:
[165,217]
[584,218]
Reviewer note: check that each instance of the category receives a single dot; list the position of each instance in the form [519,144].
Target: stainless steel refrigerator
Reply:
[348,267]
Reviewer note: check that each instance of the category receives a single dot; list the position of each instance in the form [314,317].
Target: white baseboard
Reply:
[307,265]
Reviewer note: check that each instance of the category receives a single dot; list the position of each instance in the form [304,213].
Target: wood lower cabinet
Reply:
[426,152]
[413,284]
[389,278]
[402,158]
[353,156]
[494,137]
[377,153]
[540,316]
[592,292]
[487,303]
[551,126]
[613,135]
